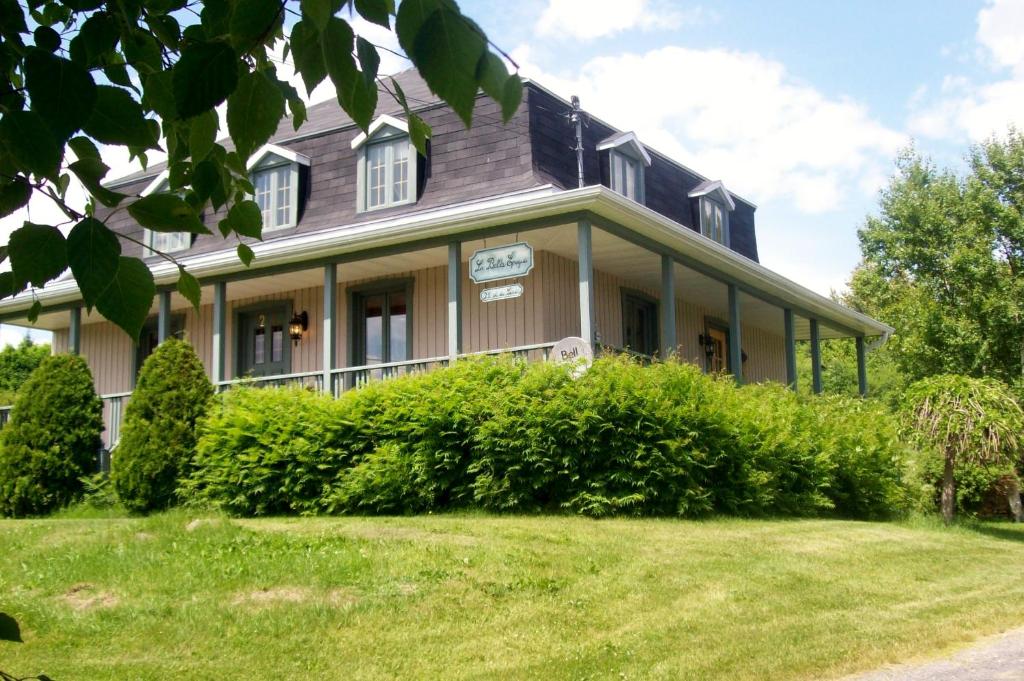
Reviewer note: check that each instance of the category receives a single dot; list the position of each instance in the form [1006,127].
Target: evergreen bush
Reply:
[52,439]
[158,438]
[498,434]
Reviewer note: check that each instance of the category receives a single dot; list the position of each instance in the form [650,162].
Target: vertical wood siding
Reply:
[60,341]
[110,354]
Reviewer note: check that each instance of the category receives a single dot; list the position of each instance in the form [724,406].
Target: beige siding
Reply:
[503,323]
[110,353]
[60,341]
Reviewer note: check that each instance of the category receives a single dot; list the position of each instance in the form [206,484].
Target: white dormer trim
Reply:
[629,140]
[707,188]
[378,123]
[157,184]
[286,154]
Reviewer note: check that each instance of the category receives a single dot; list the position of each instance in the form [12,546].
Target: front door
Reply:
[640,324]
[718,361]
[263,344]
[381,327]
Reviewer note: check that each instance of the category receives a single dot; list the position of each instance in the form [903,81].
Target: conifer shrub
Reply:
[158,437]
[52,439]
[497,434]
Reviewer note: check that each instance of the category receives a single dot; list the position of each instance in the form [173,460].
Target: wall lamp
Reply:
[298,324]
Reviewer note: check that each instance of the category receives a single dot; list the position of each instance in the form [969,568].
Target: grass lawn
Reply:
[472,597]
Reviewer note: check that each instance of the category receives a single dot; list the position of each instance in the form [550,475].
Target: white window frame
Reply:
[624,151]
[392,132]
[164,242]
[708,229]
[273,168]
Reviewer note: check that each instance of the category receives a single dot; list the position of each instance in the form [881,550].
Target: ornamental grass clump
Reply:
[965,421]
[52,440]
[158,439]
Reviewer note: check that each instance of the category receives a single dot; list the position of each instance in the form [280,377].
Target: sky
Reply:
[798,107]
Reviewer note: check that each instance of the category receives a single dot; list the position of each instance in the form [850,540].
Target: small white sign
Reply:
[573,350]
[489,295]
[501,262]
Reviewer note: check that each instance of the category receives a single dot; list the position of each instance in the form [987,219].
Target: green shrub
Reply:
[158,438]
[52,439]
[264,451]
[497,434]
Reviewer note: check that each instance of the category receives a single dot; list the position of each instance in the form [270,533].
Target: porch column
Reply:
[735,344]
[586,280]
[330,360]
[75,331]
[862,367]
[668,307]
[163,321]
[815,357]
[454,300]
[790,325]
[220,306]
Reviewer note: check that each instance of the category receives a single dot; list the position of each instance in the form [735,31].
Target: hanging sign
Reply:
[489,295]
[501,262]
[573,350]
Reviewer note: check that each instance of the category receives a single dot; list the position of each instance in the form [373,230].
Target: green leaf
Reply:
[62,92]
[33,312]
[499,85]
[298,111]
[255,109]
[202,134]
[369,60]
[188,286]
[28,139]
[357,98]
[158,94]
[376,11]
[319,11]
[142,51]
[245,254]
[419,133]
[512,97]
[118,119]
[95,41]
[14,195]
[84,148]
[91,171]
[308,55]
[9,285]
[93,255]
[38,254]
[165,28]
[446,52]
[166,213]
[411,16]
[208,183]
[46,38]
[129,297]
[246,218]
[253,22]
[204,76]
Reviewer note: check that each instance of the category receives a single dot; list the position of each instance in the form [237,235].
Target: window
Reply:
[627,159]
[627,175]
[262,347]
[714,220]
[166,242]
[387,171]
[275,181]
[639,323]
[381,327]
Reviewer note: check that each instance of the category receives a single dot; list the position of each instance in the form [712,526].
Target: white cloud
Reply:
[590,19]
[740,118]
[974,109]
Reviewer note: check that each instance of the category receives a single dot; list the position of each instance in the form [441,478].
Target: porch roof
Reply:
[517,211]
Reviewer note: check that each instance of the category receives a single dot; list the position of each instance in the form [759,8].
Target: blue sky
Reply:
[799,107]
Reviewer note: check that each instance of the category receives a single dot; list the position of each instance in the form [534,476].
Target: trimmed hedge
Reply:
[502,435]
[52,439]
[158,438]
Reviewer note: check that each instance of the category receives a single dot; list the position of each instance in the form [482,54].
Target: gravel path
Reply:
[999,658]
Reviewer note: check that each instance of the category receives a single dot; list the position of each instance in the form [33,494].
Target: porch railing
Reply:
[342,379]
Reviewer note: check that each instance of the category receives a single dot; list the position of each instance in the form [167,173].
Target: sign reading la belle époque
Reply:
[501,262]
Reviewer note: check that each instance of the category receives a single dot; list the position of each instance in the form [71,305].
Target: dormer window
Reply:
[387,172]
[714,203]
[627,159]
[163,242]
[274,173]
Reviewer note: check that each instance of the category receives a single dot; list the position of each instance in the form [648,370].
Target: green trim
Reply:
[625,293]
[281,304]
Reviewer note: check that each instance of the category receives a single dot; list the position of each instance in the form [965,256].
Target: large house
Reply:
[377,260]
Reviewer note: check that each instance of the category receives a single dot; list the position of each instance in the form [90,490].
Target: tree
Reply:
[52,439]
[148,75]
[943,262]
[967,420]
[159,435]
[17,362]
